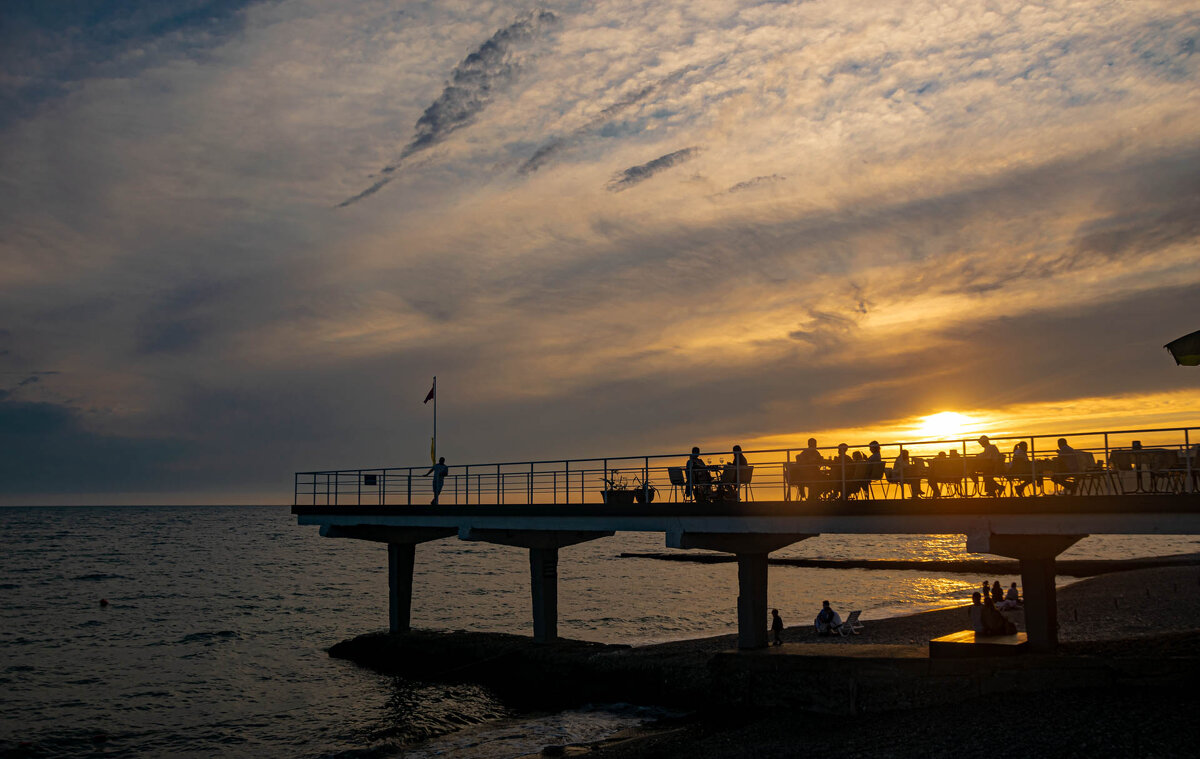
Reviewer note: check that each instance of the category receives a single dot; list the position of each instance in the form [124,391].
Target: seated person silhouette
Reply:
[1067,467]
[988,464]
[828,621]
[808,467]
[699,478]
[1020,468]
[907,472]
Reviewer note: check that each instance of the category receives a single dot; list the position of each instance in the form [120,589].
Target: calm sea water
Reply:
[213,640]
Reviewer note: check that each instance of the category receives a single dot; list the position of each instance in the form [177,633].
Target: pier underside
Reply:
[1032,530]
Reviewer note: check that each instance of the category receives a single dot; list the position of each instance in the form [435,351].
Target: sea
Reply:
[214,635]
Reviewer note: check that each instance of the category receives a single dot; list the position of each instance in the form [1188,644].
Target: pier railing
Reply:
[1115,462]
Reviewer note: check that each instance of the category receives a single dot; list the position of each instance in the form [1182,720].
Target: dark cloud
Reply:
[637,174]
[472,85]
[553,147]
[756,182]
[180,320]
[824,330]
[46,47]
[48,449]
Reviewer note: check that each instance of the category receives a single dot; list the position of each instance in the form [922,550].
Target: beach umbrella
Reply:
[1186,349]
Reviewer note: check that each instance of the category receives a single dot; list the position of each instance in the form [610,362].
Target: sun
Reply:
[944,425]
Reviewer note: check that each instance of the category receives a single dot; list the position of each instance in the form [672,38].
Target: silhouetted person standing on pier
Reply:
[777,626]
[439,472]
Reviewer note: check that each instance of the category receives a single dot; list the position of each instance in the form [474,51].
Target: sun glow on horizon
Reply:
[944,425]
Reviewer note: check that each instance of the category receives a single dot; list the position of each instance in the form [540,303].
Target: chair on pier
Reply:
[851,626]
[740,478]
[678,481]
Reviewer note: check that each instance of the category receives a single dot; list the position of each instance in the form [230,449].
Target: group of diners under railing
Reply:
[1153,461]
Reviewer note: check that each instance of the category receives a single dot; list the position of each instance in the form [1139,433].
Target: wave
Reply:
[210,637]
[97,576]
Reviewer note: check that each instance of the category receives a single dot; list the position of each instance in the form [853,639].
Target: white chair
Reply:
[851,626]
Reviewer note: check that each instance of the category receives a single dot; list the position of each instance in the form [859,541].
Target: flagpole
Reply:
[435,418]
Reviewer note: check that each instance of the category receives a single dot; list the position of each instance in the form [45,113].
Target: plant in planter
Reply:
[643,492]
[617,490]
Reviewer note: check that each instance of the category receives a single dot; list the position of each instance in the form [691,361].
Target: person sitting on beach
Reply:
[808,464]
[988,463]
[1012,599]
[777,626]
[975,613]
[828,621]
[997,592]
[995,623]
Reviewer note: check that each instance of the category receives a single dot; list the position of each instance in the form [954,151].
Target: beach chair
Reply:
[851,626]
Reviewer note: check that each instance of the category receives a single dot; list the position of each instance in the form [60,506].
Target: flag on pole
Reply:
[432,393]
[1186,350]
[432,450]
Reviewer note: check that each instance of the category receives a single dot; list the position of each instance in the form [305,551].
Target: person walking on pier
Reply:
[777,626]
[439,472]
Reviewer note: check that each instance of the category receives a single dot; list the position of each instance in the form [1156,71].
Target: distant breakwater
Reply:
[1067,567]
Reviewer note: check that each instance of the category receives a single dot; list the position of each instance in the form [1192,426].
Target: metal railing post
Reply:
[409,502]
[359,484]
[530,483]
[1187,457]
[646,481]
[567,480]
[467,485]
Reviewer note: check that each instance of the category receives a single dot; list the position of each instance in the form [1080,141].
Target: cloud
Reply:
[473,84]
[640,173]
[756,182]
[995,217]
[555,146]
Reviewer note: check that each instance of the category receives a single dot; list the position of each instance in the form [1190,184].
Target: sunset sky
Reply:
[237,239]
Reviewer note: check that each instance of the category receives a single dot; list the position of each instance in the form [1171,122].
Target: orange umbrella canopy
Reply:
[1186,349]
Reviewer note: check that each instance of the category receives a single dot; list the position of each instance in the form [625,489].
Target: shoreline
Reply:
[1127,640]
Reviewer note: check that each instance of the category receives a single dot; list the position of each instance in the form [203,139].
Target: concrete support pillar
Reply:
[751,550]
[543,584]
[543,548]
[402,551]
[1036,555]
[401,559]
[752,600]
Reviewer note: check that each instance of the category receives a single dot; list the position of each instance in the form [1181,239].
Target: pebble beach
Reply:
[1143,613]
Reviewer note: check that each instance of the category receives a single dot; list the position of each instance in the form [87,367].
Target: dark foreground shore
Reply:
[1126,682]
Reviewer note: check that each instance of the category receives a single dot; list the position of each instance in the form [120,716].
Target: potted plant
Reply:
[617,492]
[643,492]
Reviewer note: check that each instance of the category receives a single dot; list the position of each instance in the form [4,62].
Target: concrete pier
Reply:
[543,548]
[751,550]
[1032,530]
[1036,554]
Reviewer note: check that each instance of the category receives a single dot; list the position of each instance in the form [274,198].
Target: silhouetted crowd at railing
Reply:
[964,470]
[988,473]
